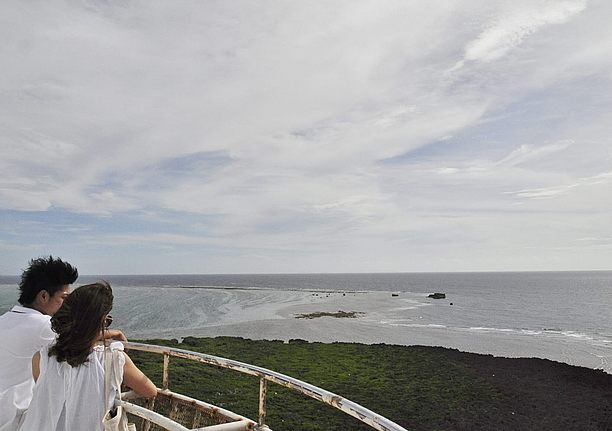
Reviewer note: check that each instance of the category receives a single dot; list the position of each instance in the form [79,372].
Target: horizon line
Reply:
[341,273]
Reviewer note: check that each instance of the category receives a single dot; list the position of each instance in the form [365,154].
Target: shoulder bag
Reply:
[115,418]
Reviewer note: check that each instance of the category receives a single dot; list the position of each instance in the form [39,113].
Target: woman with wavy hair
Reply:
[69,392]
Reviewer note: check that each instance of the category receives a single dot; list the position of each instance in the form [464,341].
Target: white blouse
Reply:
[70,398]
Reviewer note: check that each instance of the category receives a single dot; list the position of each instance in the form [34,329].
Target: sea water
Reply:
[557,315]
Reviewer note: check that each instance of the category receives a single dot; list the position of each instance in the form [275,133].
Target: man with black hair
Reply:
[26,328]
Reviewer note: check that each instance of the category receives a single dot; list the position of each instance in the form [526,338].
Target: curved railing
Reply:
[234,421]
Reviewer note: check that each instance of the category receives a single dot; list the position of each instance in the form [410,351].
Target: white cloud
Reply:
[604,178]
[307,103]
[507,31]
[525,153]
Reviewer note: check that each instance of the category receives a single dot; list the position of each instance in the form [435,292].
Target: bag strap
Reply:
[117,372]
[108,368]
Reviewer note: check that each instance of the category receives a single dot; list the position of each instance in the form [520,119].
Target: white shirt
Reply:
[70,398]
[23,332]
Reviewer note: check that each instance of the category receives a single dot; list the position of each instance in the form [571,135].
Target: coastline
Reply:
[392,317]
[330,330]
[379,319]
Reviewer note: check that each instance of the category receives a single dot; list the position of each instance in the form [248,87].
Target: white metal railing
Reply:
[347,406]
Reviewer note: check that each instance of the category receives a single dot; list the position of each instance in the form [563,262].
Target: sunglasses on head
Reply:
[108,320]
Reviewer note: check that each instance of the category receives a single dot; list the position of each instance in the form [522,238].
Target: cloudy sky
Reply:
[306,136]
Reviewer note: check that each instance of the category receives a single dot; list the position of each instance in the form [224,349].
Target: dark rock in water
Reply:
[437,295]
[395,294]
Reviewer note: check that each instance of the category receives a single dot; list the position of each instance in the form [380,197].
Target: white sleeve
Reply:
[116,345]
[46,336]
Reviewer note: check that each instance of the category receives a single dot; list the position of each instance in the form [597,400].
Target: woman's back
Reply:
[70,398]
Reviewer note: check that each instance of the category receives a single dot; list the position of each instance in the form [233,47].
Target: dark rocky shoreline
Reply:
[541,394]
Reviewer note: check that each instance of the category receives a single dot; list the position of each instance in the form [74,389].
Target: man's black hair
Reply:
[45,273]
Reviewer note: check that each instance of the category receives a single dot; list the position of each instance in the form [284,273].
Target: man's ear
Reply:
[43,296]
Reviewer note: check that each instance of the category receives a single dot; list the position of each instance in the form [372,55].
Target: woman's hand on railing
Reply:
[114,334]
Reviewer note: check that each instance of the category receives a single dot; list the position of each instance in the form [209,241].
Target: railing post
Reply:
[262,401]
[165,383]
[150,405]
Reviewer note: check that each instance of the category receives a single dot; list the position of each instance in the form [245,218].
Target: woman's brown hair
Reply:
[79,322]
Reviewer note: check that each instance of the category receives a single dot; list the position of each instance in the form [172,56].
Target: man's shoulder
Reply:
[24,334]
[24,321]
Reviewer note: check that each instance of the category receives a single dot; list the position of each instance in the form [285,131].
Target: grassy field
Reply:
[420,388]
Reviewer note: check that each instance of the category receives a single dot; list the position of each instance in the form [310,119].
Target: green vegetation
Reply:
[420,388]
[411,386]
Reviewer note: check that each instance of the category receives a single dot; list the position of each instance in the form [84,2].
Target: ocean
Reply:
[563,316]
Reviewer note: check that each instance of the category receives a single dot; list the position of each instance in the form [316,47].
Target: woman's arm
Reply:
[36,365]
[114,334]
[136,380]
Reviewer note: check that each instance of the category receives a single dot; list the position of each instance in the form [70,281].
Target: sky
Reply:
[223,136]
